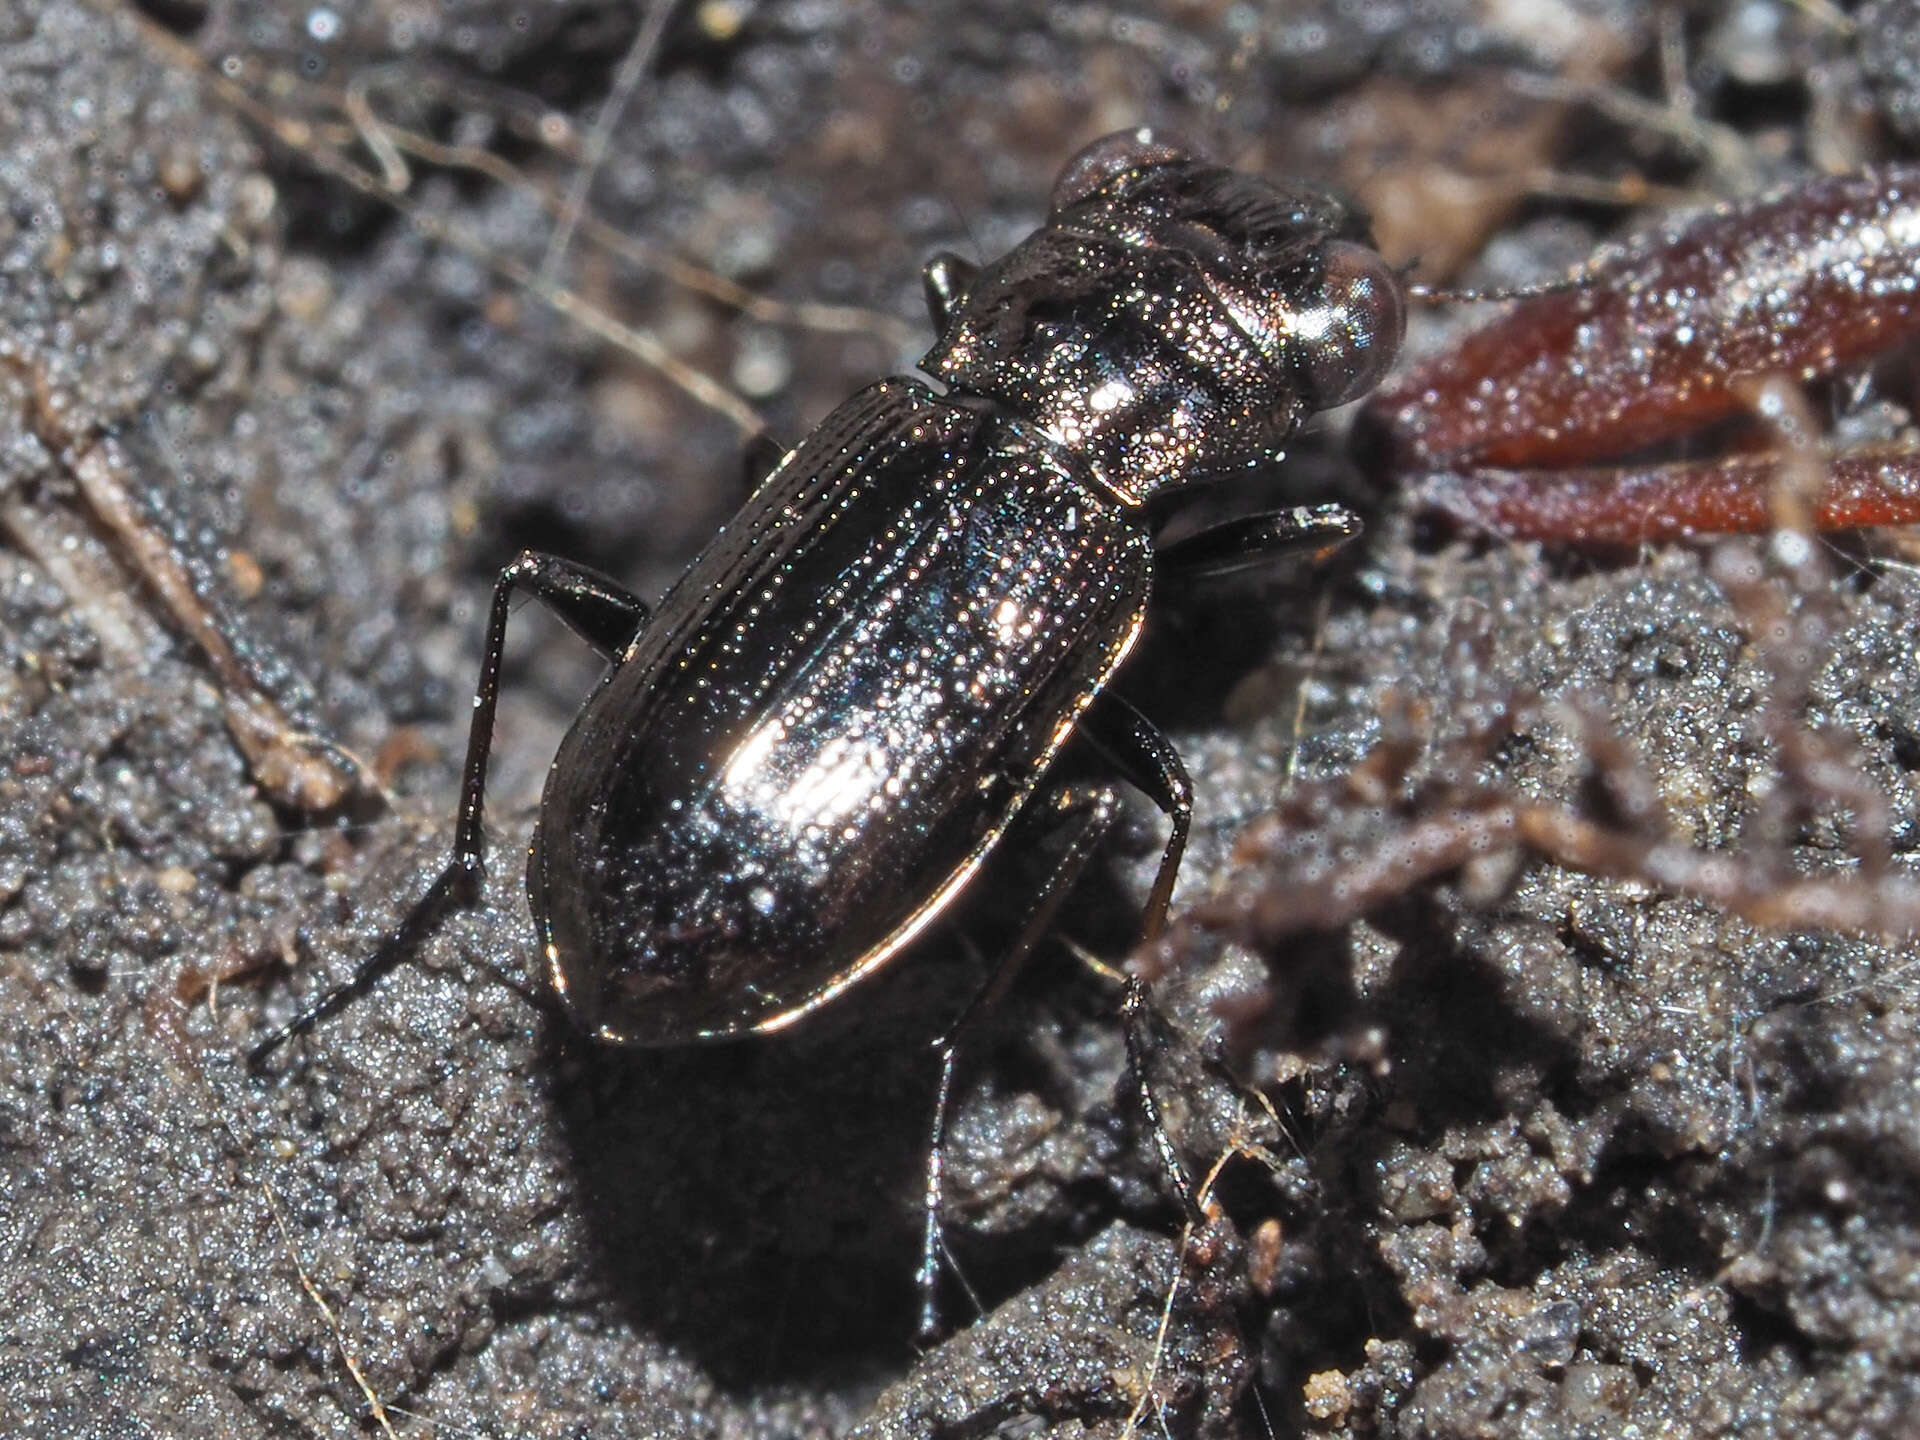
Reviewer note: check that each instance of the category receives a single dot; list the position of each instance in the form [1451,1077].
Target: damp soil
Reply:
[1555,1156]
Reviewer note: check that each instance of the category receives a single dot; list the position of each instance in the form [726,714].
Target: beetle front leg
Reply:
[1148,761]
[1314,531]
[596,609]
[946,278]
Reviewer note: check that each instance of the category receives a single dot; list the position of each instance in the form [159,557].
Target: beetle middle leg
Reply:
[1083,817]
[596,609]
[1146,759]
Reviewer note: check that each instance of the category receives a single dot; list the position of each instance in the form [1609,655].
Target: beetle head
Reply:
[1175,318]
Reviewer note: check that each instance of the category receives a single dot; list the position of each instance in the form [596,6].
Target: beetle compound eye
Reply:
[1350,332]
[1112,156]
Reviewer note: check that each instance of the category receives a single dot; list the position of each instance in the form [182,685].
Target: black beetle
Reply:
[845,702]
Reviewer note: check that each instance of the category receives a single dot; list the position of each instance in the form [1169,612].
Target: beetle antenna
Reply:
[1447,295]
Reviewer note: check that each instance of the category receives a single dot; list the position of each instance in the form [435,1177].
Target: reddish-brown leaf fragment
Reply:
[1671,502]
[1799,283]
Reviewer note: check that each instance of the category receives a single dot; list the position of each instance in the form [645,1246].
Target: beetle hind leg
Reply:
[603,614]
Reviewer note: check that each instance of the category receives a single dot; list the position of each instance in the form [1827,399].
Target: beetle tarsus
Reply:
[1136,1010]
[447,891]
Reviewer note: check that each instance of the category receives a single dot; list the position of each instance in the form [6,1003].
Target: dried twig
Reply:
[310,141]
[333,1322]
[626,80]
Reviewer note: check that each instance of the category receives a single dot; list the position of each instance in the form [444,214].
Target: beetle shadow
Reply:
[757,1201]
[1234,624]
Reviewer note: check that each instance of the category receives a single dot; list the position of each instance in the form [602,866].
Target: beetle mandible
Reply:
[796,763]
